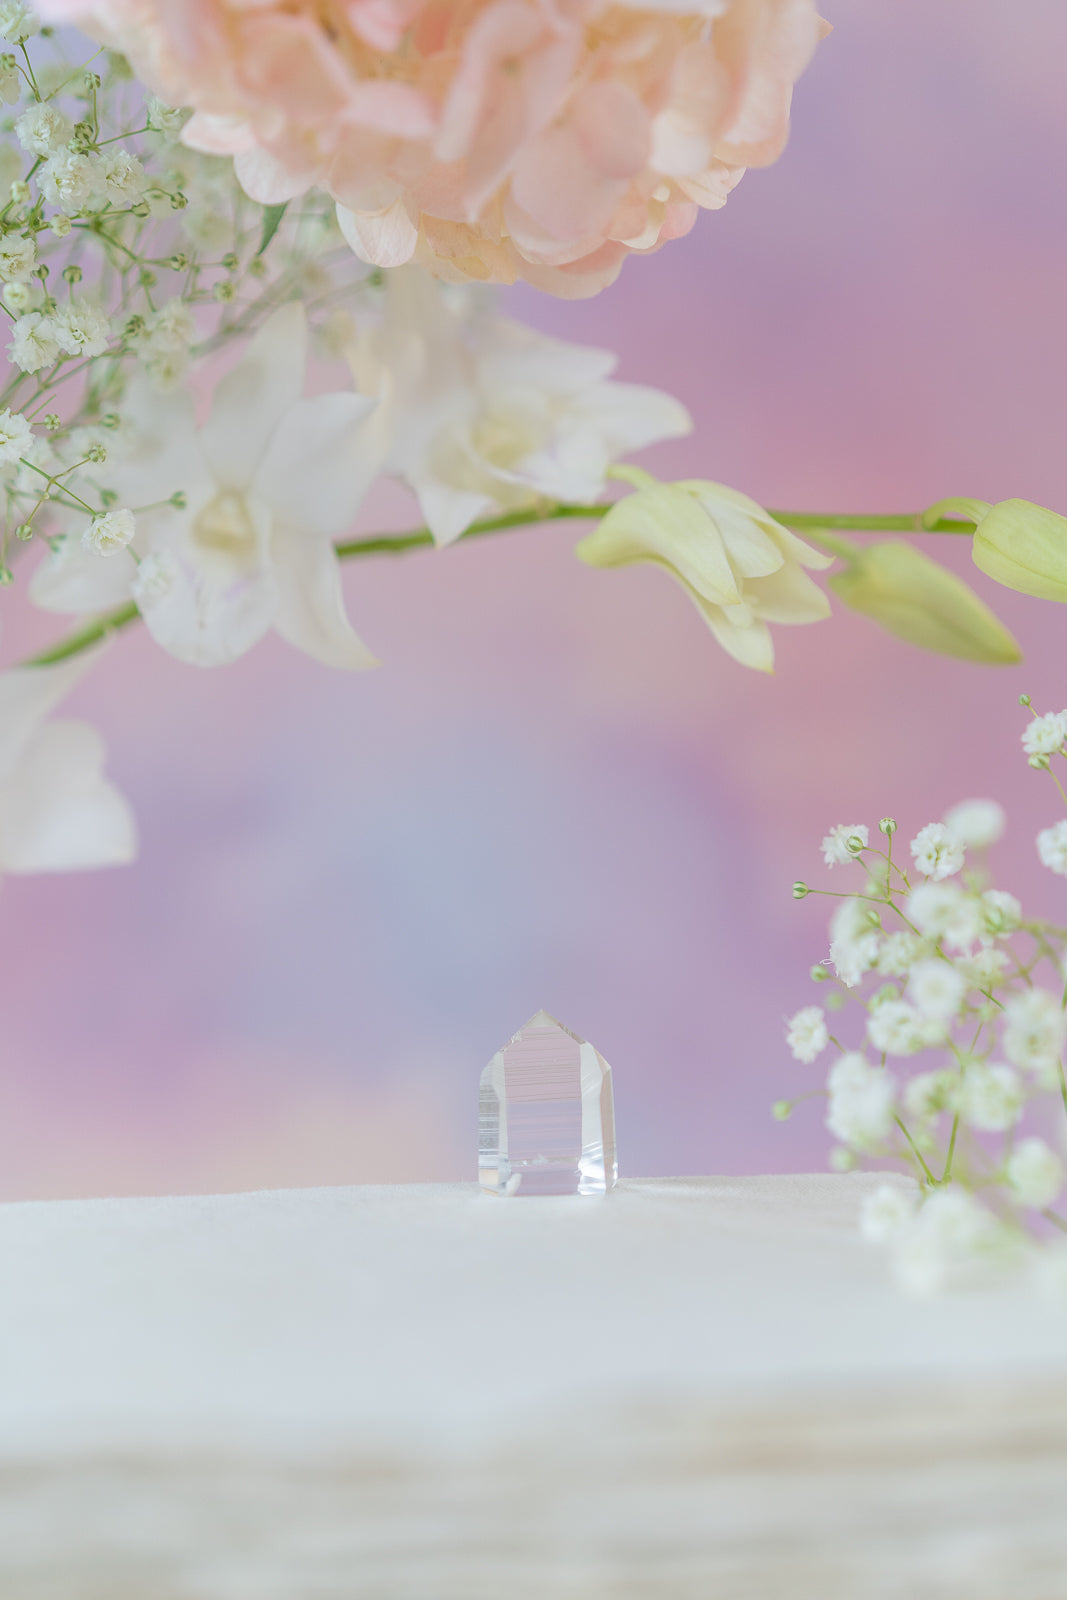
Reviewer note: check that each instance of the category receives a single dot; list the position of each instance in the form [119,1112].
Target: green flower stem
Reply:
[84,638]
[902,522]
[385,544]
[916,1152]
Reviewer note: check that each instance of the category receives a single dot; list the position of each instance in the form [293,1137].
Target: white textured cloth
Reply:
[693,1388]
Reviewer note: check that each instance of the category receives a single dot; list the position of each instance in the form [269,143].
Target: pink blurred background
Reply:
[557,791]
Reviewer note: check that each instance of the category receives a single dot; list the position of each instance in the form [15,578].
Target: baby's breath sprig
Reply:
[951,978]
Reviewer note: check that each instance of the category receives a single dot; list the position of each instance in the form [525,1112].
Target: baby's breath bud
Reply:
[873,918]
[782,1110]
[842,1159]
[230,262]
[6,576]
[148,278]
[60,225]
[134,328]
[854,844]
[110,419]
[1025,700]
[20,192]
[179,262]
[224,292]
[820,973]
[800,890]
[834,1000]
[96,452]
[108,497]
[24,532]
[179,201]
[179,500]
[887,826]
[41,272]
[141,209]
[257,267]
[92,81]
[73,273]
[52,422]
[1040,762]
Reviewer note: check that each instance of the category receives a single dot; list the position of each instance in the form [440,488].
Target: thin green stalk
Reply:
[384,544]
[916,1152]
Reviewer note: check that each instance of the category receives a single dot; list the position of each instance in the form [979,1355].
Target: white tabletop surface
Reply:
[432,1316]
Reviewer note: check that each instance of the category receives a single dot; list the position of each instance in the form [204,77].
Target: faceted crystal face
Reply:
[546,1115]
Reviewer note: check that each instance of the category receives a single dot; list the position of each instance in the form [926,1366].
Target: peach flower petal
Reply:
[489,139]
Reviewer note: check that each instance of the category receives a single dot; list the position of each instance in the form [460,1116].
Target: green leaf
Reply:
[272,219]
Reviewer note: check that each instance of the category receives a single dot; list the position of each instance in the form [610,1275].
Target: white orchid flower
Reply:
[269,480]
[58,813]
[484,415]
[741,568]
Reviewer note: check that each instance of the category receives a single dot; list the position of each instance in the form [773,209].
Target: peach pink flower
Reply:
[487,139]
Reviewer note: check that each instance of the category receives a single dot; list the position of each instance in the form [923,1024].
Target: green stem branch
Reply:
[390,544]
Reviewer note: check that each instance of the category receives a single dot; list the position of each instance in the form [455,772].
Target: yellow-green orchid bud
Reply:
[920,601]
[1024,547]
[741,568]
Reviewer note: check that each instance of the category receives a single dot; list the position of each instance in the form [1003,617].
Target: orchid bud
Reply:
[1024,547]
[922,602]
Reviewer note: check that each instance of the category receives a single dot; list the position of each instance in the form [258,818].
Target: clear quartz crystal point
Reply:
[546,1122]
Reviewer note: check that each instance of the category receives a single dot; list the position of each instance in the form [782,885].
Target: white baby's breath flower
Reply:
[1033,1030]
[991,1097]
[44,129]
[944,913]
[835,850]
[853,942]
[896,1027]
[123,175]
[81,328]
[16,437]
[936,852]
[985,967]
[929,1093]
[808,1035]
[1035,1174]
[110,532]
[936,989]
[887,1211]
[1002,912]
[33,343]
[1052,847]
[975,824]
[172,327]
[899,953]
[163,118]
[156,576]
[1045,735]
[18,258]
[952,1235]
[861,1101]
[18,297]
[18,21]
[68,179]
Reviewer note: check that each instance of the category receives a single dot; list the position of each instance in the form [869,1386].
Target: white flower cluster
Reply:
[133,271]
[957,1079]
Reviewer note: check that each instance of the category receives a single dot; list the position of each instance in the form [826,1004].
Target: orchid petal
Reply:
[320,464]
[60,814]
[311,609]
[251,400]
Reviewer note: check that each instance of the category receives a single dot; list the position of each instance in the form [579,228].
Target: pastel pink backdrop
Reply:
[557,791]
